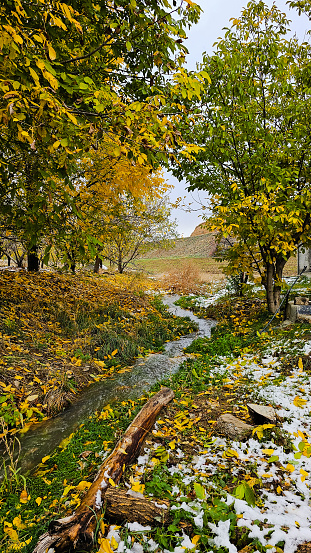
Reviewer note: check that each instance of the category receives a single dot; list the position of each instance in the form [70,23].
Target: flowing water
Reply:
[44,437]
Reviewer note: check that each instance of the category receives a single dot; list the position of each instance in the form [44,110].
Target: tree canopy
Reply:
[254,125]
[76,73]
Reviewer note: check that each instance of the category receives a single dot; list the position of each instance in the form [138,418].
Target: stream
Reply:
[44,437]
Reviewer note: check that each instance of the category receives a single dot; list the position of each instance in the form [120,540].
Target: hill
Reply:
[200,229]
[202,245]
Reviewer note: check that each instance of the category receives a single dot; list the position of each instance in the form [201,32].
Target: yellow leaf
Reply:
[195,539]
[72,117]
[172,444]
[304,474]
[115,351]
[23,496]
[138,487]
[17,521]
[299,401]
[104,546]
[111,482]
[67,489]
[38,501]
[52,53]
[65,442]
[45,458]
[114,543]
[290,467]
[268,451]
[122,450]
[11,532]
[83,485]
[279,489]
[300,364]
[230,453]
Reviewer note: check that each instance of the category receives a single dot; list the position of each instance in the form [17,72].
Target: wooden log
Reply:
[78,528]
[121,506]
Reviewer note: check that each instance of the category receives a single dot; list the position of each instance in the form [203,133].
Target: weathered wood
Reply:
[122,506]
[78,528]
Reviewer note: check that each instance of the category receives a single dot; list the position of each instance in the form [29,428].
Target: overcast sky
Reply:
[201,37]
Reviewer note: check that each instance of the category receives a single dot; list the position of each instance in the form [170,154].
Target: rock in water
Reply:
[233,428]
[261,414]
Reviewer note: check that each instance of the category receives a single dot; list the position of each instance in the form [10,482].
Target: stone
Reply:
[261,414]
[304,313]
[291,312]
[301,300]
[233,428]
[300,312]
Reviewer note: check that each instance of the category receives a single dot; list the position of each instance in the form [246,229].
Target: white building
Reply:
[304,259]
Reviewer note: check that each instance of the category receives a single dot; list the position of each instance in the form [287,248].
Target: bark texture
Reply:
[122,506]
[78,529]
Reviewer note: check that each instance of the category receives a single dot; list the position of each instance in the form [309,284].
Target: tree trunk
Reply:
[272,283]
[121,506]
[78,529]
[33,260]
[96,264]
[120,265]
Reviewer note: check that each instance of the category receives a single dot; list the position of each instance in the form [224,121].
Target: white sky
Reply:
[201,37]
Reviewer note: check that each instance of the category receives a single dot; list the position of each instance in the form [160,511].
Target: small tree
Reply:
[134,226]
[254,124]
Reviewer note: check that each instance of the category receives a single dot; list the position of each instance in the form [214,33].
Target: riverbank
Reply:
[250,495]
[59,333]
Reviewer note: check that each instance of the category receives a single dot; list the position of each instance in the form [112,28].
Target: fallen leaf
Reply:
[23,496]
[299,402]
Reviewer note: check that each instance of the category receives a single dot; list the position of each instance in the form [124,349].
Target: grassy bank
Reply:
[224,494]
[58,333]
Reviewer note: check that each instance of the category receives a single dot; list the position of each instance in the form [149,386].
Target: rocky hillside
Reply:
[199,230]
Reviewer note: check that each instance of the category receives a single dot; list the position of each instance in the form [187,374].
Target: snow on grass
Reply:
[282,514]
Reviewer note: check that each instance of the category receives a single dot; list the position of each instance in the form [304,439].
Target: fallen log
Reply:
[147,511]
[78,528]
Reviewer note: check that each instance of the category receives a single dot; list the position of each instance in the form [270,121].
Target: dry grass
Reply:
[185,279]
[209,269]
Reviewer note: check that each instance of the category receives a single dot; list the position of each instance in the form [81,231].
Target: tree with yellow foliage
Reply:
[121,209]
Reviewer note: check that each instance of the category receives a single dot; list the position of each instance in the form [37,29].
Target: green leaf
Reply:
[273,459]
[128,46]
[249,495]
[199,491]
[239,491]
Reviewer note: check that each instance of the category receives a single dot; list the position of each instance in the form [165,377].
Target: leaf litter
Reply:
[251,496]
